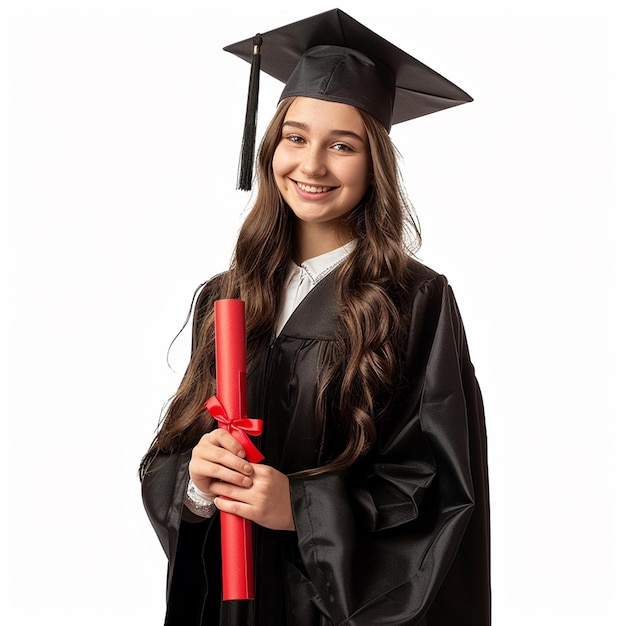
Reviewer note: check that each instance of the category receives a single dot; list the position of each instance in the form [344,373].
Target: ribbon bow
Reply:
[237,428]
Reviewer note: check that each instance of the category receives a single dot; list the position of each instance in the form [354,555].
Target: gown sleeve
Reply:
[377,543]
[182,534]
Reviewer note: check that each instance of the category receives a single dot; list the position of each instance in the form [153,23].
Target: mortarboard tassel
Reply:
[246,159]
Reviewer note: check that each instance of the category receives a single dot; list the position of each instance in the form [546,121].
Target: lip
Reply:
[321,191]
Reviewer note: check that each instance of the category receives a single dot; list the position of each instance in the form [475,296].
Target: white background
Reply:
[120,129]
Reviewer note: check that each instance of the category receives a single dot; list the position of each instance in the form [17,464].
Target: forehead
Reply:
[325,115]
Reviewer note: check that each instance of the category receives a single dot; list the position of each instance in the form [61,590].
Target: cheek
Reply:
[358,177]
[279,171]
[280,164]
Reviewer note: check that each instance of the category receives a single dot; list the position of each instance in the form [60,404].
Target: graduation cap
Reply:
[331,56]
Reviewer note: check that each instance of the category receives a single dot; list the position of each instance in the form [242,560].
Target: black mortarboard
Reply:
[333,57]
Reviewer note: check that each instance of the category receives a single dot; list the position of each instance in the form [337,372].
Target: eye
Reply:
[342,147]
[294,138]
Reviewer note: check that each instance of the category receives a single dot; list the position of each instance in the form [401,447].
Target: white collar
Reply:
[320,266]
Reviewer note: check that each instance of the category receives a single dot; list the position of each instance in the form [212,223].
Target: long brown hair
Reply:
[361,371]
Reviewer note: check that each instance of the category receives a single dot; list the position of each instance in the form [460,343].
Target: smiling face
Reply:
[322,167]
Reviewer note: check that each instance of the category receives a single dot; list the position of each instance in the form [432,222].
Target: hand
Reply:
[267,502]
[218,456]
[259,493]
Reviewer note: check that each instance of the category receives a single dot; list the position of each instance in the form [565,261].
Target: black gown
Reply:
[400,539]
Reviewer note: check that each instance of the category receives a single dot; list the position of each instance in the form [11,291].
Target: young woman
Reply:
[371,506]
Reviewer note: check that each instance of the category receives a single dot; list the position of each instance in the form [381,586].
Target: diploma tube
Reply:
[229,407]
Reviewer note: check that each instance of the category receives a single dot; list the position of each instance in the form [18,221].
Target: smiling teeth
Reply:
[310,189]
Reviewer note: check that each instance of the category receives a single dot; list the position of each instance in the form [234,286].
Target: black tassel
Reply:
[246,159]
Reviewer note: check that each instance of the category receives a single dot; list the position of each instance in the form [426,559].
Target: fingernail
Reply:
[247,468]
[241,453]
[247,482]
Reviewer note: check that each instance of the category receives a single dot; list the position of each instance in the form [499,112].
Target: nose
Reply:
[313,162]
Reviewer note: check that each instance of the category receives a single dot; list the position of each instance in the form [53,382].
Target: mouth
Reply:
[312,188]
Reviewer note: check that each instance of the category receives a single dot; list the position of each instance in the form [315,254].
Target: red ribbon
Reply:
[237,428]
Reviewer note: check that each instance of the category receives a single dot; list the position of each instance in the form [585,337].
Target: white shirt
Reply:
[302,278]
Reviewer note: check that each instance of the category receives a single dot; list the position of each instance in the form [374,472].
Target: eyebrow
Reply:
[336,133]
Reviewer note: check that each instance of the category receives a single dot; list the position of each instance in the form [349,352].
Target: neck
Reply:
[315,239]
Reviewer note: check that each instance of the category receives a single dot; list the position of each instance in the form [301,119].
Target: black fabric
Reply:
[400,539]
[344,75]
[393,86]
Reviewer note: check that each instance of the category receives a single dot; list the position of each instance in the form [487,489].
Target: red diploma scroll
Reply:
[229,407]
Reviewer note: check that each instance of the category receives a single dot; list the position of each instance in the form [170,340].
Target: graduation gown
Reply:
[402,537]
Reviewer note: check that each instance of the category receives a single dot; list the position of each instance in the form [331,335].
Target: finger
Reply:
[222,438]
[235,507]
[233,491]
[267,502]
[208,451]
[202,469]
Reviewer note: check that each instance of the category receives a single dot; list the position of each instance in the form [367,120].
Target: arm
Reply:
[377,542]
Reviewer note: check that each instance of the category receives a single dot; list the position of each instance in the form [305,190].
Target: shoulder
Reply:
[433,318]
[430,297]
[425,282]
